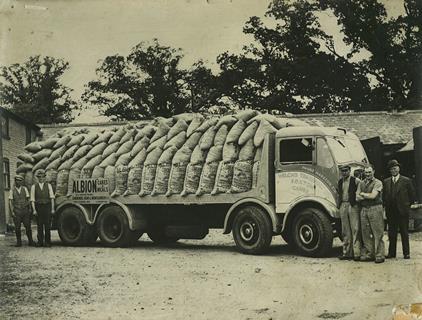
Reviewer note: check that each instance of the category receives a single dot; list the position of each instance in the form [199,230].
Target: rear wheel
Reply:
[113,227]
[73,228]
[252,231]
[312,233]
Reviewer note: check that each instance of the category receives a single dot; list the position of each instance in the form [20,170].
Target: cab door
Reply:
[295,169]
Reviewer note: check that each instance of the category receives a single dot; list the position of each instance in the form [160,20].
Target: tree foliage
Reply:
[293,64]
[33,90]
[149,82]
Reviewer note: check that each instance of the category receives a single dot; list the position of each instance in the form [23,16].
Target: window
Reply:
[28,135]
[324,157]
[296,150]
[6,173]
[5,127]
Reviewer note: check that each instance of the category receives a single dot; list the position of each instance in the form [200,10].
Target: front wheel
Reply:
[113,227]
[252,230]
[312,233]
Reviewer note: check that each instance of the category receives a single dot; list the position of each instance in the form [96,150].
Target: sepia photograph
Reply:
[211,159]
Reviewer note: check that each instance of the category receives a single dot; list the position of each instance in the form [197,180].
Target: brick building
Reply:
[16,133]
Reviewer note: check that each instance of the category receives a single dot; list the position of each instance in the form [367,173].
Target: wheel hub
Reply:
[72,227]
[306,234]
[247,231]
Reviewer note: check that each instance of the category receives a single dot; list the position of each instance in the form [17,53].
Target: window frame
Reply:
[6,174]
[5,133]
[28,135]
[283,163]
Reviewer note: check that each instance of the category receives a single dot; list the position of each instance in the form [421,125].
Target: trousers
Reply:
[43,223]
[396,223]
[351,229]
[22,217]
[372,221]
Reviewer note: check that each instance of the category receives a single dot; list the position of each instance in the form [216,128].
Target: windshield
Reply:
[346,149]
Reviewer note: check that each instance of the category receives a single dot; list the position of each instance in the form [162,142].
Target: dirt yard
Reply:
[205,279]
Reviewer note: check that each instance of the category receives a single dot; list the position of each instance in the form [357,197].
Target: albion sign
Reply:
[90,191]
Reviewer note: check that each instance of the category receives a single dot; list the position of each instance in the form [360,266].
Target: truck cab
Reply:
[307,161]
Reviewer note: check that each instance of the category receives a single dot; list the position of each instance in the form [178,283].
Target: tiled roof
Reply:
[392,128]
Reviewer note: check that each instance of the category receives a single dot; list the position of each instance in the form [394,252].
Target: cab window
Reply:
[324,157]
[296,150]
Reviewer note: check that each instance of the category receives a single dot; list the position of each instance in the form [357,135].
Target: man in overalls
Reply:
[20,210]
[369,195]
[42,200]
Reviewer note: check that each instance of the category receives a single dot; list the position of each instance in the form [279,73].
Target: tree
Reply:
[293,64]
[33,90]
[394,44]
[149,82]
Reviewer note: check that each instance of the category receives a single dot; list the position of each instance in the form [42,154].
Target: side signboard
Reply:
[90,191]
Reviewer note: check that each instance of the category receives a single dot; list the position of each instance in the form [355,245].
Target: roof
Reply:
[19,119]
[311,131]
[391,127]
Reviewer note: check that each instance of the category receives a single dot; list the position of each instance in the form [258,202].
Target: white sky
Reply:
[84,31]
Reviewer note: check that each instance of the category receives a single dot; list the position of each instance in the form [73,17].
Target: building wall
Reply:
[12,147]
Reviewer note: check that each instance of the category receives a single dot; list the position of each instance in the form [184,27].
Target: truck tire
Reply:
[113,227]
[158,235]
[252,230]
[73,228]
[312,233]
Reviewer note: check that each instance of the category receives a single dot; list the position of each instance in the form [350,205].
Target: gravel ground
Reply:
[205,279]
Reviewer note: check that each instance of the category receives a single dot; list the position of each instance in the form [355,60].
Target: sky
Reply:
[85,31]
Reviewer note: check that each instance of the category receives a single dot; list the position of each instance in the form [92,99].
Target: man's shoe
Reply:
[379,260]
[31,244]
[19,244]
[366,259]
[48,245]
[356,258]
[389,256]
[407,256]
[39,245]
[344,258]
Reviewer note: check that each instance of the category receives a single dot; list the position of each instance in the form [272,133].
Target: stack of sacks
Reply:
[185,154]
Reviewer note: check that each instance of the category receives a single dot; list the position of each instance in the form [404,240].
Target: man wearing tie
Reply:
[399,194]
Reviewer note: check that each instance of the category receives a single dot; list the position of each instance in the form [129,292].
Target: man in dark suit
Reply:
[398,196]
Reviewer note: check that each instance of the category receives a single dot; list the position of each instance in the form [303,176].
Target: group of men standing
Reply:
[38,202]
[362,218]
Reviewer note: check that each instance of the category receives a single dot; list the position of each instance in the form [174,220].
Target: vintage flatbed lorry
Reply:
[294,196]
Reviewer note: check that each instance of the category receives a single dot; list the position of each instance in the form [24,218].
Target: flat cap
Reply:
[344,166]
[40,173]
[18,177]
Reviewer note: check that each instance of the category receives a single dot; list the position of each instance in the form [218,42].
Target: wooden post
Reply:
[417,142]
[2,198]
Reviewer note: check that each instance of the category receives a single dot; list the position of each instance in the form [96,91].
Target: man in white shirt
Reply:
[20,210]
[42,200]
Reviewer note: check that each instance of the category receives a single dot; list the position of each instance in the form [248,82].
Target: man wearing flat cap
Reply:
[42,200]
[349,215]
[399,195]
[20,210]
